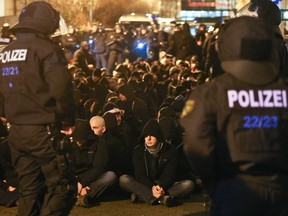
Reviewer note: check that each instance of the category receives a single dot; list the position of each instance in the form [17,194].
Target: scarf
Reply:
[156,150]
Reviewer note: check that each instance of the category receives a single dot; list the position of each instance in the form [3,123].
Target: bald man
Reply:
[97,124]
[91,162]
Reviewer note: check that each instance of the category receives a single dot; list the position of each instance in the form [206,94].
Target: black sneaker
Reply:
[168,201]
[134,198]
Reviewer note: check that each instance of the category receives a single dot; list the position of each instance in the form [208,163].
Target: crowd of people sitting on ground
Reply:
[127,139]
[134,114]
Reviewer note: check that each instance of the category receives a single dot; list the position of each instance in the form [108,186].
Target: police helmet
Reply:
[39,16]
[118,27]
[101,27]
[245,49]
[5,26]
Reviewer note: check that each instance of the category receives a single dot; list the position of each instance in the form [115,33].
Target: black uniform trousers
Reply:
[44,189]
[247,195]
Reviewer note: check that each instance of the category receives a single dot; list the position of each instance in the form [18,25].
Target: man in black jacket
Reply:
[36,94]
[84,60]
[136,112]
[155,164]
[90,156]
[236,127]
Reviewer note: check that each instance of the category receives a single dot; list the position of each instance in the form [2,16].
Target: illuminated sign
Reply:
[198,4]
[192,14]
[205,4]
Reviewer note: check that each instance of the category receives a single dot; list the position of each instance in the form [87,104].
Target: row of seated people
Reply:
[122,112]
[105,159]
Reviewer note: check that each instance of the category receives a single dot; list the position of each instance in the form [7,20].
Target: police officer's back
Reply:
[36,93]
[236,127]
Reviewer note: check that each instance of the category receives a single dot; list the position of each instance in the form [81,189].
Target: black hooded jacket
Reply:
[90,160]
[155,170]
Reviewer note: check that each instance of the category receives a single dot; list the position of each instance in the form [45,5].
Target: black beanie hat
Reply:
[110,120]
[167,111]
[97,72]
[82,130]
[152,128]
[109,106]
[127,91]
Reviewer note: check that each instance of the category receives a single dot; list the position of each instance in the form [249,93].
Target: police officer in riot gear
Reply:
[36,95]
[116,44]
[153,44]
[6,37]
[141,43]
[236,127]
[99,50]
[70,42]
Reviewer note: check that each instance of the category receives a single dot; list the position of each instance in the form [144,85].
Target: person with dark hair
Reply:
[155,164]
[70,42]
[83,59]
[201,34]
[119,144]
[153,47]
[91,157]
[150,89]
[210,61]
[173,81]
[100,50]
[116,44]
[99,86]
[136,112]
[182,44]
[37,100]
[236,130]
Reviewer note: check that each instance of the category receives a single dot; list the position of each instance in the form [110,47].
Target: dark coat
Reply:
[119,153]
[151,170]
[183,44]
[99,43]
[82,58]
[41,87]
[136,111]
[90,160]
[220,142]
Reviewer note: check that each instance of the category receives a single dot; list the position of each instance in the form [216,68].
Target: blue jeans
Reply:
[101,61]
[179,189]
[102,185]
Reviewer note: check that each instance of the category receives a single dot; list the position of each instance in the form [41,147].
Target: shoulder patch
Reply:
[189,105]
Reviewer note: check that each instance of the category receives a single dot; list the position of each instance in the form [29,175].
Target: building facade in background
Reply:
[178,9]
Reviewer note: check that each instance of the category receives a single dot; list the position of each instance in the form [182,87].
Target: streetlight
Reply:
[91,11]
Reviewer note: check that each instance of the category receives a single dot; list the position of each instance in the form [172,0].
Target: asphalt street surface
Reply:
[194,206]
